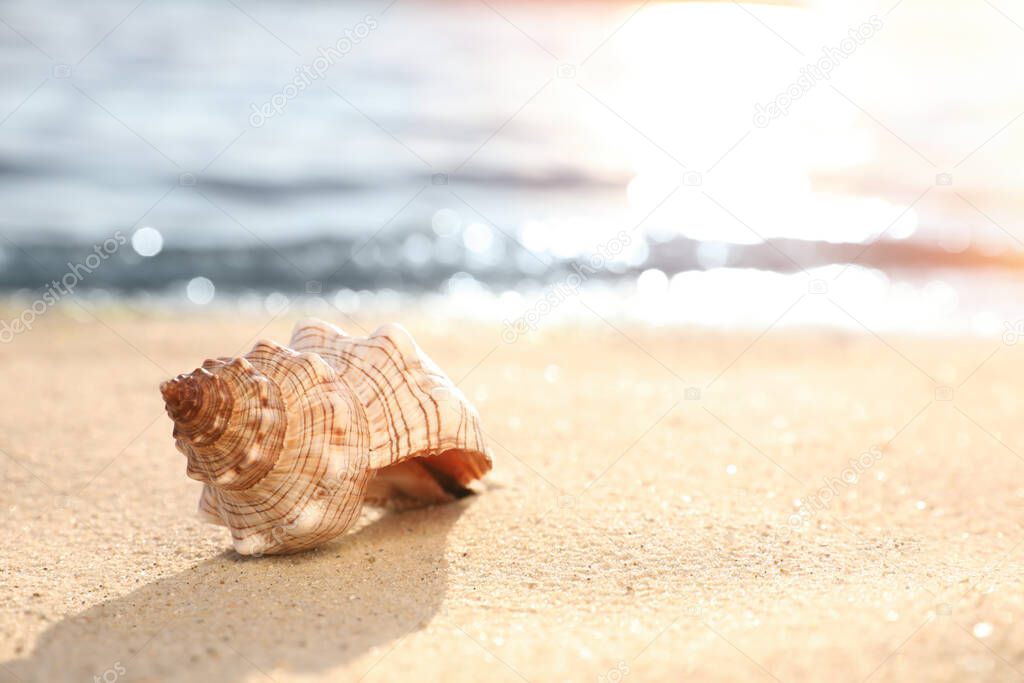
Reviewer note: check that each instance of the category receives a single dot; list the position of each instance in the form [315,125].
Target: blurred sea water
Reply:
[697,158]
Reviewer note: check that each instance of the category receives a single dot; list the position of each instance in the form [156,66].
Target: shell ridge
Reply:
[348,351]
[396,451]
[378,398]
[405,380]
[277,501]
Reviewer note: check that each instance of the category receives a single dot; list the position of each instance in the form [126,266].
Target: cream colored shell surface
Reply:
[290,440]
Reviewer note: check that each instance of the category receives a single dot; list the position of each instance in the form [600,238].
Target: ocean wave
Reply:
[338,262]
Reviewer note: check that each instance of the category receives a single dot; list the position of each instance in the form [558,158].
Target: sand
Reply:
[638,525]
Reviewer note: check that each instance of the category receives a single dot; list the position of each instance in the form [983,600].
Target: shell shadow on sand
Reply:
[231,616]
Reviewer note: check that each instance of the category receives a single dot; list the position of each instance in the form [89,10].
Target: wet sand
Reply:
[643,520]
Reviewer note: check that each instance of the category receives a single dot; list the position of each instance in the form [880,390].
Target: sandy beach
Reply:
[642,522]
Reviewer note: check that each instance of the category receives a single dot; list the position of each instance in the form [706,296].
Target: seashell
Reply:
[291,441]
